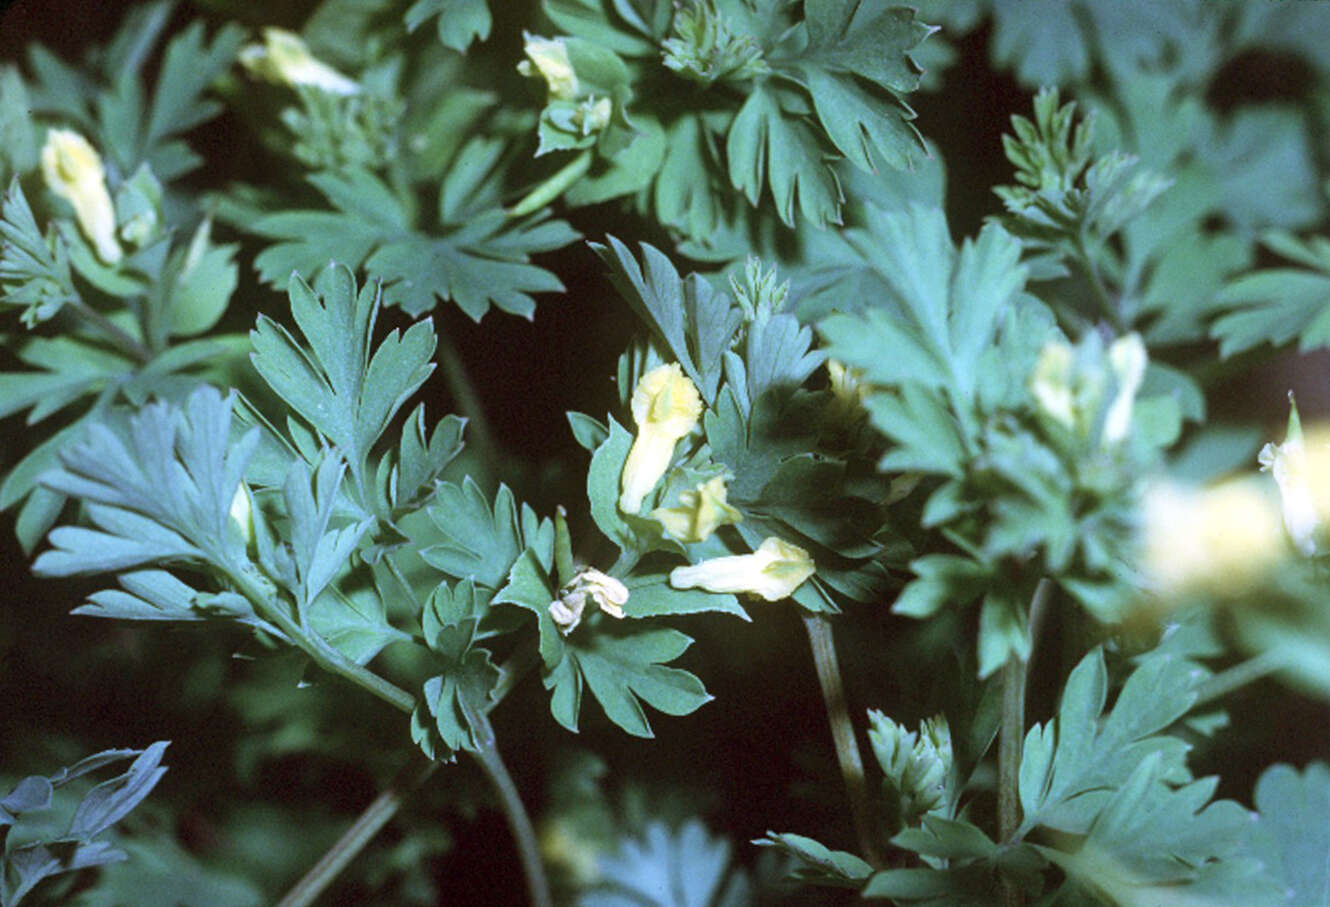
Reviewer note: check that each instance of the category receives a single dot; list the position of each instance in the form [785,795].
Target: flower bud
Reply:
[1301,469]
[548,57]
[700,512]
[73,170]
[772,572]
[666,407]
[242,513]
[284,58]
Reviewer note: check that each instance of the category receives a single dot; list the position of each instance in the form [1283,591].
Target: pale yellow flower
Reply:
[1301,469]
[73,170]
[607,592]
[284,58]
[772,572]
[548,57]
[666,407]
[1051,382]
[700,512]
[242,513]
[1127,358]
[1222,540]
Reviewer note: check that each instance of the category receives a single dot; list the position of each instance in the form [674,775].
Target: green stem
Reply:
[842,734]
[479,435]
[1105,299]
[114,334]
[1009,763]
[366,826]
[322,654]
[1240,675]
[375,816]
[553,187]
[528,850]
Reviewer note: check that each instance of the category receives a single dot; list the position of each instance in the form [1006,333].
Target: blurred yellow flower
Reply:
[284,58]
[1221,540]
[700,512]
[666,407]
[73,170]
[772,572]
[548,57]
[1301,469]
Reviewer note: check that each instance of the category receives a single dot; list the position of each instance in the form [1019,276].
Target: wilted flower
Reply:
[606,591]
[73,170]
[666,407]
[1221,540]
[548,57]
[1301,468]
[771,572]
[284,58]
[700,512]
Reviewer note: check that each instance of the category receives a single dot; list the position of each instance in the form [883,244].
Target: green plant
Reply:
[985,474]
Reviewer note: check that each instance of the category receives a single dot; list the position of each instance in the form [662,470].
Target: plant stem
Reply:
[322,654]
[842,734]
[528,850]
[368,824]
[1009,763]
[112,332]
[1240,675]
[467,400]
[375,816]
[1107,305]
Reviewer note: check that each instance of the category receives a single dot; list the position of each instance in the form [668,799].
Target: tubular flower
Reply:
[73,170]
[1222,540]
[700,512]
[601,588]
[548,57]
[666,407]
[772,572]
[1301,468]
[284,58]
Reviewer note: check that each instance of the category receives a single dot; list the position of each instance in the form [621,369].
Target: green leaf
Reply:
[335,384]
[652,596]
[34,268]
[620,670]
[1290,838]
[160,490]
[207,278]
[766,146]
[820,864]
[471,540]
[460,21]
[866,40]
[687,865]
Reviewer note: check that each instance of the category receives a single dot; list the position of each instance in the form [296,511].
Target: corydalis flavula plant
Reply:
[978,470]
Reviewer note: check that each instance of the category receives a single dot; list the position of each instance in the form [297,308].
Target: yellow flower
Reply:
[772,572]
[548,57]
[73,170]
[666,407]
[1221,540]
[700,512]
[284,58]
[606,591]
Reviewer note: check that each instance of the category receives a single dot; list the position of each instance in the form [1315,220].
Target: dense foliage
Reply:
[996,485]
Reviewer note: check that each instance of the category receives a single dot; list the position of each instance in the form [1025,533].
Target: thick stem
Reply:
[363,830]
[528,849]
[1240,675]
[1009,763]
[842,734]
